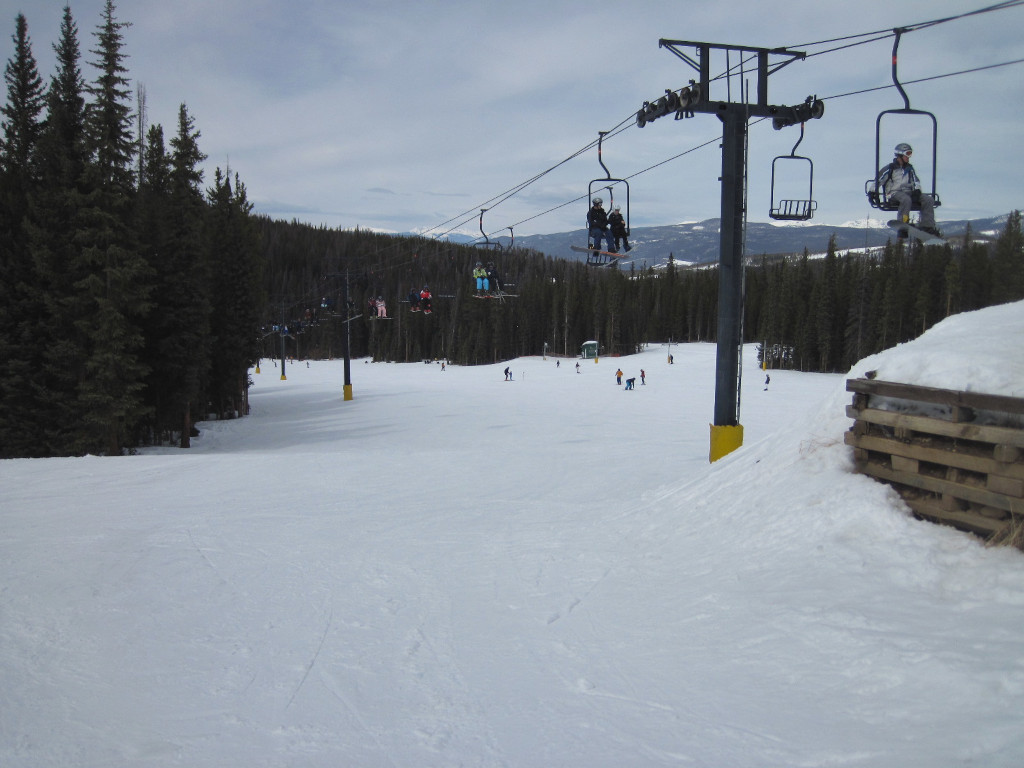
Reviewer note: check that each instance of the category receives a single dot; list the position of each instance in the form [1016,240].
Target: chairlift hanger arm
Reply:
[600,159]
[793,152]
[487,243]
[898,33]
[486,240]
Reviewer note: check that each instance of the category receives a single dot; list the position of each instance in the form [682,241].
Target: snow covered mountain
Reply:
[698,242]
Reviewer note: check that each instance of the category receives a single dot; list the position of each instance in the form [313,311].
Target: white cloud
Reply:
[314,102]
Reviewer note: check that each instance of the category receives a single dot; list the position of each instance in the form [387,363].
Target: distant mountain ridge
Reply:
[698,242]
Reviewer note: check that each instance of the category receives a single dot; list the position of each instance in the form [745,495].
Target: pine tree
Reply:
[52,227]
[179,333]
[236,268]
[26,98]
[1008,262]
[21,303]
[152,224]
[115,285]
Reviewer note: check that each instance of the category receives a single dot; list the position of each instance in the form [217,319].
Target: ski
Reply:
[499,296]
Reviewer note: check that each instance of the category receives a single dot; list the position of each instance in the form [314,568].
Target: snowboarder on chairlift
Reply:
[414,300]
[425,300]
[900,182]
[493,278]
[597,226]
[618,227]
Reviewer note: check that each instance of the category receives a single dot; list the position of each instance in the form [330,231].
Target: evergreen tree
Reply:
[21,124]
[115,283]
[236,269]
[184,288]
[826,310]
[152,229]
[21,304]
[1008,262]
[857,338]
[53,226]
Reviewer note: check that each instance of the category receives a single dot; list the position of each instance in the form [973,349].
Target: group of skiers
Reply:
[629,382]
[608,226]
[487,279]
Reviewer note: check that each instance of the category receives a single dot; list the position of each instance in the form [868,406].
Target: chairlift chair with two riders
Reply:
[489,244]
[876,193]
[595,257]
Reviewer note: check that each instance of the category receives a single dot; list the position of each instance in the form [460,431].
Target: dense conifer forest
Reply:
[136,295]
[811,314]
[129,294]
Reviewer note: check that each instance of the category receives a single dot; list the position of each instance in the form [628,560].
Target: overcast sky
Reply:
[411,116]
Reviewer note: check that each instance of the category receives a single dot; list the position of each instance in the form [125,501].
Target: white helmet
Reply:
[618,207]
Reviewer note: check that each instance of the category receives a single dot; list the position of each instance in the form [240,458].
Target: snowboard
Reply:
[925,237]
[614,255]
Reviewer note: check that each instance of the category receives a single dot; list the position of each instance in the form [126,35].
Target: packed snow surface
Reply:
[452,569]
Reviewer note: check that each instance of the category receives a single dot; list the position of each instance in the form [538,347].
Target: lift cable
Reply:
[470,215]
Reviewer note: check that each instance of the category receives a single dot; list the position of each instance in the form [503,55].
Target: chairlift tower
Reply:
[740,61]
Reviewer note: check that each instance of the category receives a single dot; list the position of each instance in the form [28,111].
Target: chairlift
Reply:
[487,243]
[876,195]
[596,258]
[794,210]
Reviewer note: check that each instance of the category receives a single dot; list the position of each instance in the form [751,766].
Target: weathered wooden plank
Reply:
[939,485]
[982,433]
[1007,454]
[950,397]
[962,519]
[1011,486]
[969,461]
[904,464]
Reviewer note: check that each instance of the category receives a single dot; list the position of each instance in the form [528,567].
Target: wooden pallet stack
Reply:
[955,457]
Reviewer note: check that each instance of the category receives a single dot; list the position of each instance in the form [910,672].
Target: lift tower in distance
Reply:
[740,62]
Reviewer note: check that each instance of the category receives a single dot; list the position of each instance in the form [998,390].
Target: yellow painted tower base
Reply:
[348,391]
[725,440]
